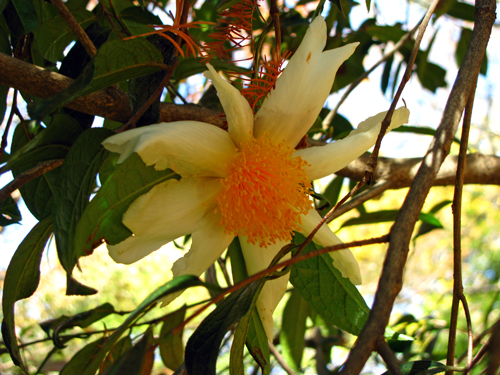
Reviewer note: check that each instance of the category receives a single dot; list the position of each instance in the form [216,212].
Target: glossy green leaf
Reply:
[21,280]
[102,218]
[385,216]
[462,45]
[136,360]
[77,363]
[120,60]
[171,346]
[332,193]
[421,368]
[27,14]
[76,182]
[173,286]
[202,349]
[9,212]
[462,11]
[293,329]
[54,35]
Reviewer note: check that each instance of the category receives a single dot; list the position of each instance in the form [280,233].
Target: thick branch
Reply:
[391,280]
[480,169]
[109,103]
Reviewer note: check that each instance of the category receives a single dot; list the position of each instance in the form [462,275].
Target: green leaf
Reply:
[191,66]
[386,74]
[173,286]
[293,330]
[51,143]
[27,13]
[54,35]
[332,296]
[202,349]
[240,337]
[424,130]
[462,46]
[120,60]
[21,280]
[9,212]
[76,364]
[385,216]
[332,193]
[462,11]
[75,288]
[421,368]
[137,359]
[102,218]
[171,346]
[256,340]
[368,4]
[77,180]
[117,351]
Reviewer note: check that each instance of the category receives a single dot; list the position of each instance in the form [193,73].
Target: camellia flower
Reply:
[248,181]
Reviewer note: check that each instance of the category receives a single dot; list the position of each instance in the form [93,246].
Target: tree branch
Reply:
[391,280]
[110,103]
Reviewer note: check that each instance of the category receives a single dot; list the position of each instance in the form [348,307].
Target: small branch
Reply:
[75,27]
[391,280]
[275,15]
[389,358]
[372,163]
[28,176]
[7,126]
[110,103]
[458,288]
[280,359]
[328,119]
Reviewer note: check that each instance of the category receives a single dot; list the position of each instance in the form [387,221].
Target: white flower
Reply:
[249,181]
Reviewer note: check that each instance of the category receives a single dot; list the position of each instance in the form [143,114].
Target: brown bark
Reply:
[110,103]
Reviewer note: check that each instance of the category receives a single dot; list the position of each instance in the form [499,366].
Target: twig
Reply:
[275,14]
[29,175]
[391,280]
[377,189]
[389,358]
[7,126]
[372,162]
[280,359]
[280,266]
[75,27]
[458,288]
[329,117]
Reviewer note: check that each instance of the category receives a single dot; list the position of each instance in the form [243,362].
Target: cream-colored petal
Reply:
[169,210]
[343,260]
[256,259]
[208,243]
[292,107]
[238,112]
[325,160]
[190,148]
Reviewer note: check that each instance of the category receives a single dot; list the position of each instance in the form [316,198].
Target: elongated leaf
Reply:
[171,346]
[332,193]
[102,219]
[119,60]
[386,74]
[77,180]
[332,296]
[177,284]
[462,11]
[21,280]
[388,216]
[462,45]
[118,350]
[420,130]
[27,14]
[421,368]
[137,360]
[256,340]
[51,143]
[9,212]
[293,329]
[77,363]
[54,35]
[202,349]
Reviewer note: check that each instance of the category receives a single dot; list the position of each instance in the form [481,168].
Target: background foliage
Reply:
[80,314]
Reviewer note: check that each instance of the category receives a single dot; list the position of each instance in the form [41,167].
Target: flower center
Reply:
[265,194]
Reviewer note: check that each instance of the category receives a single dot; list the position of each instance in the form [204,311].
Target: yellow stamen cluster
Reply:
[265,194]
